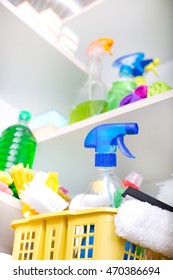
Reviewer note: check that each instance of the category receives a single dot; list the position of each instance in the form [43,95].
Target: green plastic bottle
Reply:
[17,145]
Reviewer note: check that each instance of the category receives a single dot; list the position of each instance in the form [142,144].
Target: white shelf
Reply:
[11,10]
[36,73]
[64,152]
[10,209]
[108,116]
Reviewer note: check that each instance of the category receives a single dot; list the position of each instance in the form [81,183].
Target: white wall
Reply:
[8,115]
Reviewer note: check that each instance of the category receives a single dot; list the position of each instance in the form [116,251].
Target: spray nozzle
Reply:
[105,138]
[100,46]
[135,65]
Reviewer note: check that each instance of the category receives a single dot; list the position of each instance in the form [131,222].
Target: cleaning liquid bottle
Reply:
[132,68]
[17,145]
[91,98]
[126,83]
[133,180]
[105,139]
[136,66]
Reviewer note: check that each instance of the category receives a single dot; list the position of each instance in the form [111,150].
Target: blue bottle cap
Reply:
[105,160]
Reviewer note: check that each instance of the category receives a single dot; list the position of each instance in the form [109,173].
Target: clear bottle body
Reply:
[91,98]
[100,192]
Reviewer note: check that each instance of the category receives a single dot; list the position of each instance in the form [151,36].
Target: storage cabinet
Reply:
[38,76]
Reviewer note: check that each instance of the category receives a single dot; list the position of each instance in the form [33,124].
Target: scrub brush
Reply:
[40,197]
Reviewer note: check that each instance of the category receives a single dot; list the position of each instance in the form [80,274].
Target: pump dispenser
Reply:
[91,98]
[105,139]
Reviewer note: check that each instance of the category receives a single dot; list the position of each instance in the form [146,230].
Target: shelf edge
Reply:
[108,115]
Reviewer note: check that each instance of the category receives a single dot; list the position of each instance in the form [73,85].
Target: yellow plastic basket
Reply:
[73,235]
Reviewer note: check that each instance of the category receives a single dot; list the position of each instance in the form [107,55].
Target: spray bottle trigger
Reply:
[151,67]
[122,147]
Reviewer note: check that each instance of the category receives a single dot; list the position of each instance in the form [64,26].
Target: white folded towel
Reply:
[146,225]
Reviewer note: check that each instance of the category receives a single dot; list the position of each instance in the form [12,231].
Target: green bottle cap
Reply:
[24,116]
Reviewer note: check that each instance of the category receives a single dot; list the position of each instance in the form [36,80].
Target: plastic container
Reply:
[17,145]
[60,235]
[132,68]
[135,66]
[91,97]
[133,179]
[105,139]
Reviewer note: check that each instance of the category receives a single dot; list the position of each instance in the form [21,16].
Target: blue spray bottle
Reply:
[105,139]
[135,66]
[132,68]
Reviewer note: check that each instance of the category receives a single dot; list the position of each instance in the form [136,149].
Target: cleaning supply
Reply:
[157,88]
[91,98]
[132,68]
[105,139]
[139,93]
[126,83]
[64,193]
[41,197]
[17,145]
[52,181]
[6,178]
[5,188]
[145,221]
[119,90]
[133,180]
[5,181]
[47,122]
[22,175]
[135,66]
